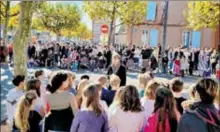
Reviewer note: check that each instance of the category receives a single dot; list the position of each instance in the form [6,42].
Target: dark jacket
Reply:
[200,118]
[121,73]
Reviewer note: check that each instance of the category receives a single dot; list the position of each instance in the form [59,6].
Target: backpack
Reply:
[210,126]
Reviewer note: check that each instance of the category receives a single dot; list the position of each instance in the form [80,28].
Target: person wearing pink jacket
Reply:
[165,116]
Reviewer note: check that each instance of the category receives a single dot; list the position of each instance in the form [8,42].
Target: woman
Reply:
[26,118]
[128,117]
[91,118]
[165,116]
[118,69]
[63,105]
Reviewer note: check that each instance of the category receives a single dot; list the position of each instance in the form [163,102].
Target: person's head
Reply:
[115,59]
[176,85]
[71,78]
[207,89]
[143,70]
[39,75]
[114,81]
[118,95]
[80,88]
[165,105]
[84,77]
[91,98]
[129,100]
[19,81]
[150,90]
[58,81]
[34,85]
[103,81]
[25,104]
[143,79]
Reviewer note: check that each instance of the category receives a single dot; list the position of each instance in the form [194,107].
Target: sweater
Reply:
[88,121]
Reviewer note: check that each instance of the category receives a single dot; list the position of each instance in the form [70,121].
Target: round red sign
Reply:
[104,29]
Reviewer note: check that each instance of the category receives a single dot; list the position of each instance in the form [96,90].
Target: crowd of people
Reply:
[179,61]
[54,102]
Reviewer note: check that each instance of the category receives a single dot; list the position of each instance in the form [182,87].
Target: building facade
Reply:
[151,31]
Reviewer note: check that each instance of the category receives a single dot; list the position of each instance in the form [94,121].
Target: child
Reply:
[165,117]
[218,70]
[26,118]
[91,114]
[176,86]
[149,98]
[13,97]
[71,77]
[142,82]
[207,71]
[108,95]
[177,66]
[103,81]
[183,66]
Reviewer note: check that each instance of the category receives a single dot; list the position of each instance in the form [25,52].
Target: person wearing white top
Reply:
[13,97]
[129,116]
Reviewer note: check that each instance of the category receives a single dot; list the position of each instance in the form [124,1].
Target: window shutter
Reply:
[196,39]
[151,11]
[153,38]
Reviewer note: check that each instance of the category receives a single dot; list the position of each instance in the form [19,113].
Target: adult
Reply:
[108,55]
[117,69]
[146,54]
[203,116]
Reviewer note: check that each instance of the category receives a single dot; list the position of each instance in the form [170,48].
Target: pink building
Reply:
[151,31]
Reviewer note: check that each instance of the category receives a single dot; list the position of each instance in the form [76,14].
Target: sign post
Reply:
[104,34]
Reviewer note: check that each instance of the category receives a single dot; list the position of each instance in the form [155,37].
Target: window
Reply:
[150,37]
[145,37]
[187,38]
[196,39]
[153,38]
[151,11]
[191,38]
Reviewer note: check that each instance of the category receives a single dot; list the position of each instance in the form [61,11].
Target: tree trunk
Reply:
[111,26]
[21,38]
[5,32]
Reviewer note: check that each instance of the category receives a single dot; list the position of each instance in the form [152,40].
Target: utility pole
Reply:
[165,16]
[165,11]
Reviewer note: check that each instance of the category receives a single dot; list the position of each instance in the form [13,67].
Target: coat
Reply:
[121,73]
[200,118]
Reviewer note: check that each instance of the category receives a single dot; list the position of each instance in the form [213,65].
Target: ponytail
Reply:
[23,110]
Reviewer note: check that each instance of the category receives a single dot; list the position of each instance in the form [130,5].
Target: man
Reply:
[108,55]
[117,69]
[146,54]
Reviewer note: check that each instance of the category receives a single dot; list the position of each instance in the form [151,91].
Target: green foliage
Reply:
[203,14]
[130,12]
[57,17]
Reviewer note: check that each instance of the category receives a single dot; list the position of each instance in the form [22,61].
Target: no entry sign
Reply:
[104,29]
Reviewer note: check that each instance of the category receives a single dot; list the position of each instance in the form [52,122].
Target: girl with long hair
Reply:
[80,88]
[129,116]
[35,84]
[63,105]
[91,118]
[26,118]
[165,116]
